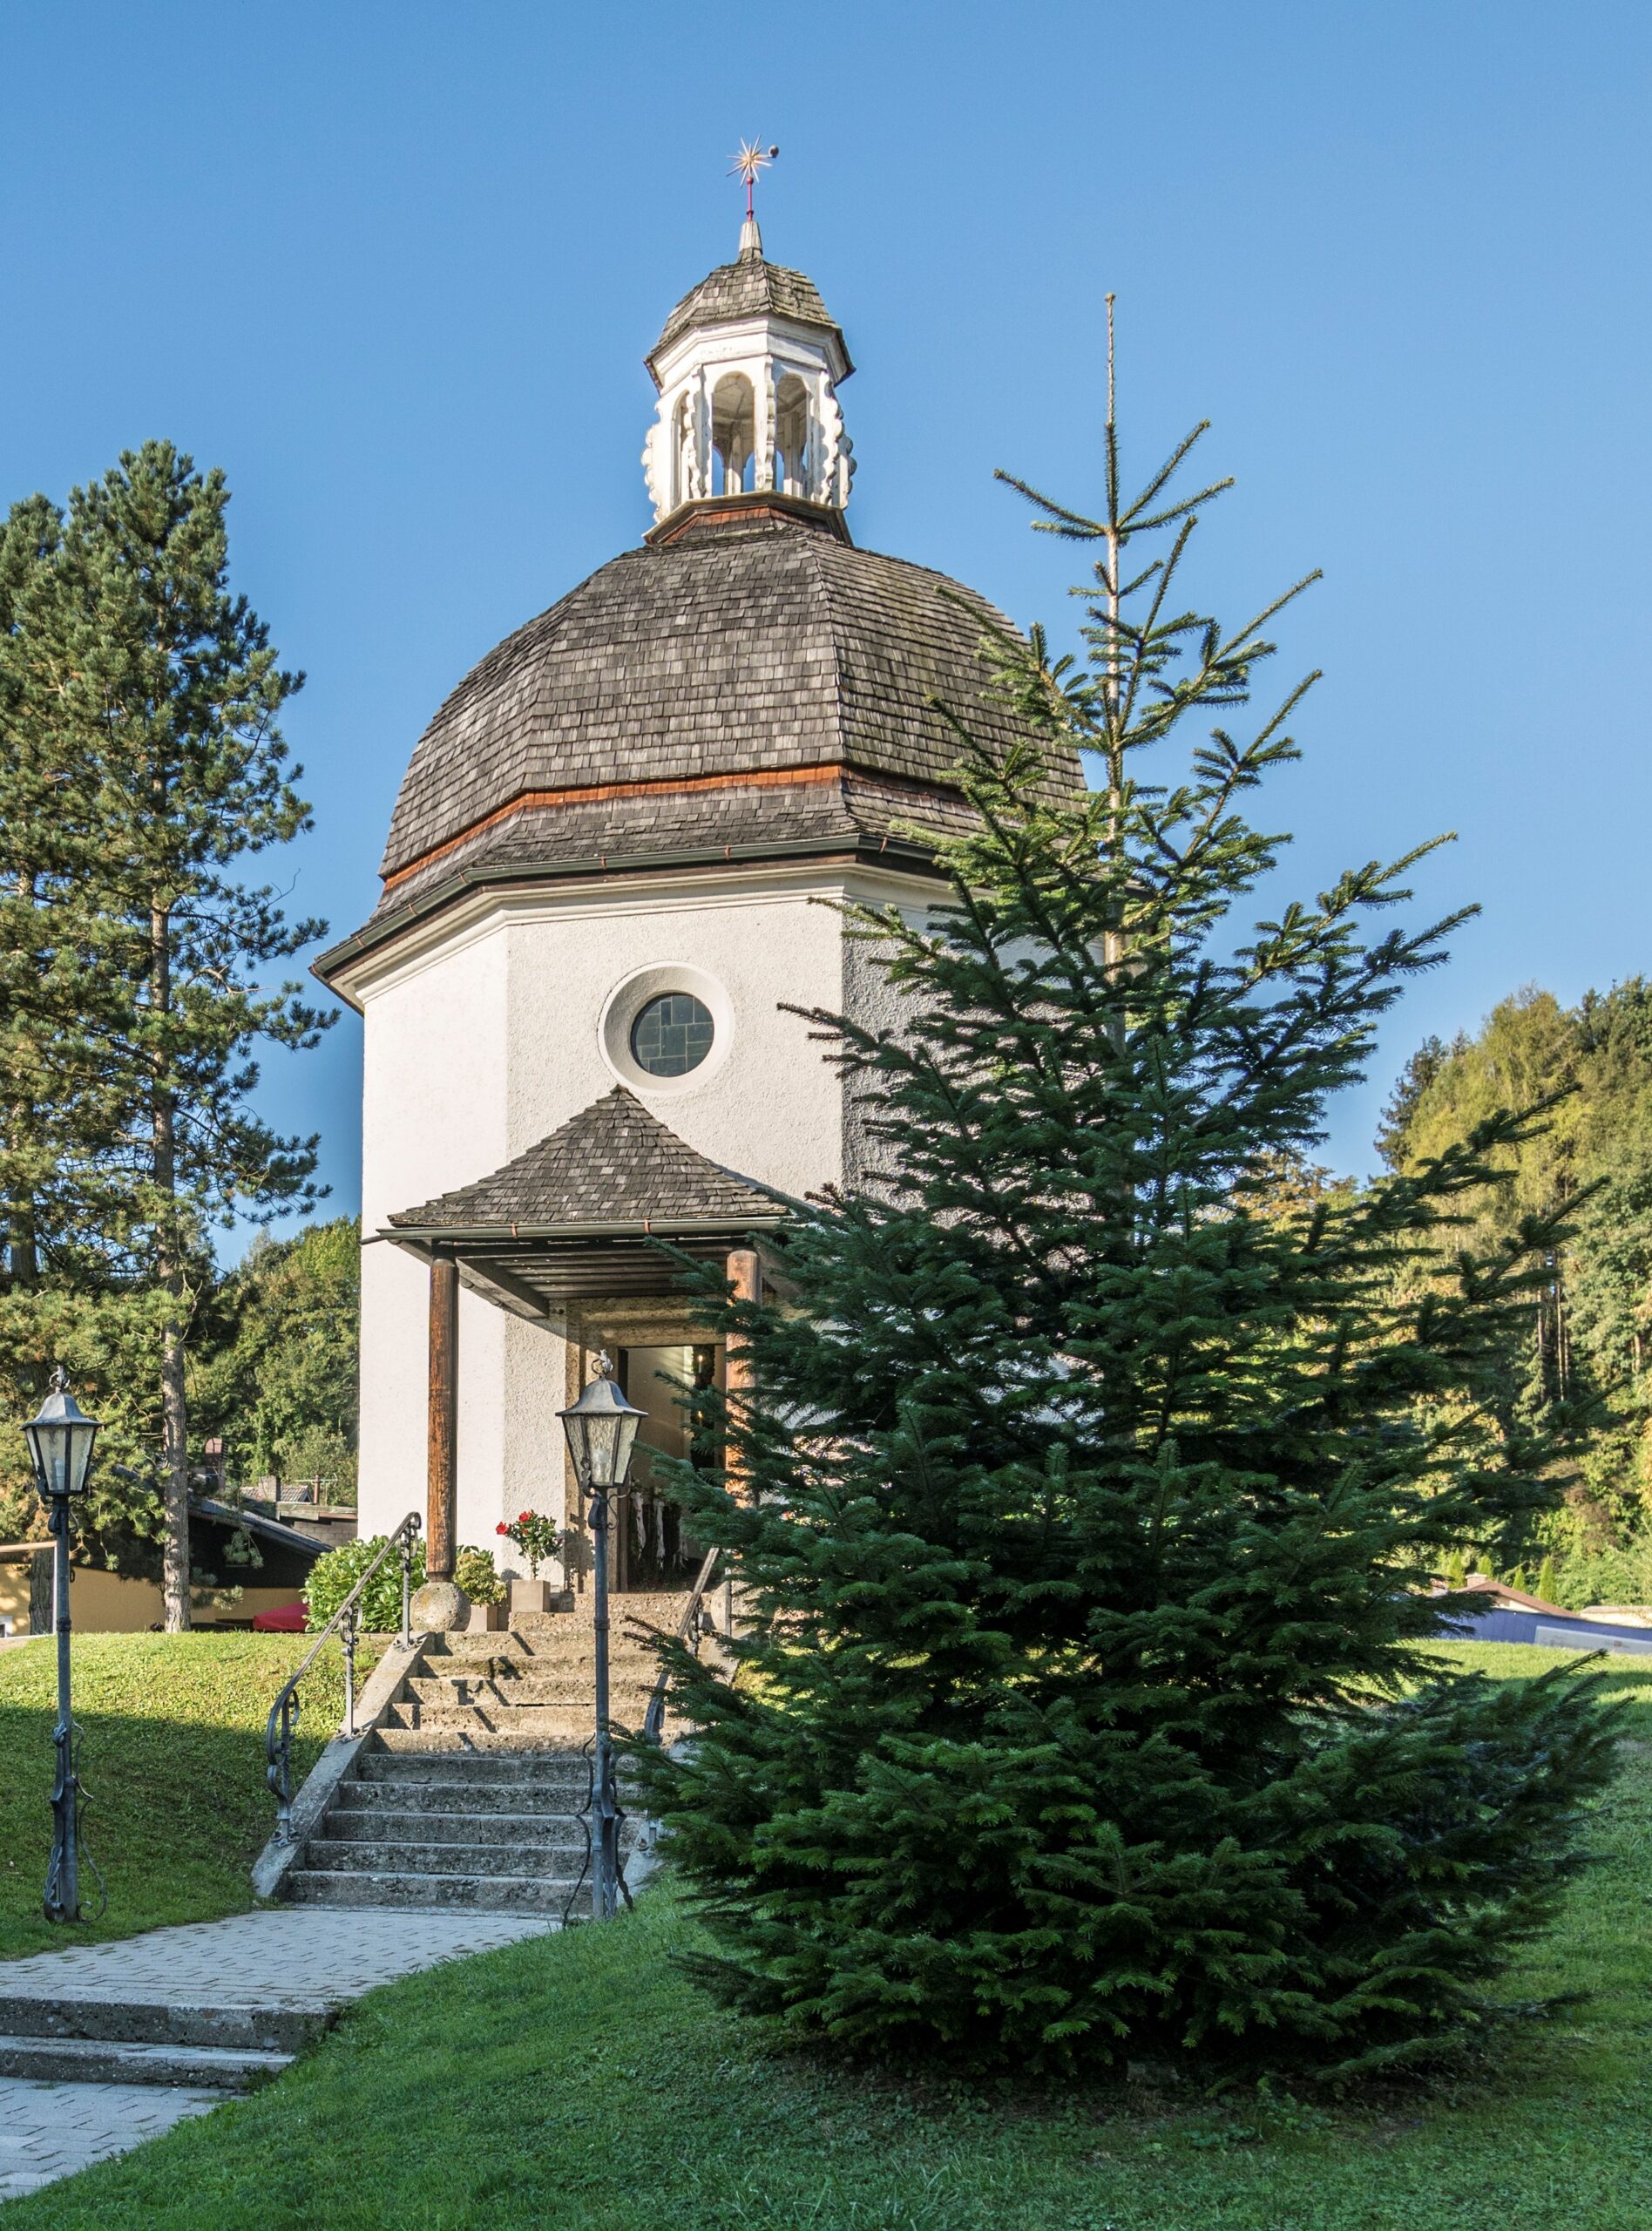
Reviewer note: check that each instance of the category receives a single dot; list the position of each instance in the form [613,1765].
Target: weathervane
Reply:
[748,163]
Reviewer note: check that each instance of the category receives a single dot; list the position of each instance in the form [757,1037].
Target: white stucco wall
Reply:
[482,1035]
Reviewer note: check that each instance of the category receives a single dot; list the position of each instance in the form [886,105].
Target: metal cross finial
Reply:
[750,161]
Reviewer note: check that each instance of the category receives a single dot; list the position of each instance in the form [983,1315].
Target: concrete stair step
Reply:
[470,1648]
[556,1861]
[405,1760]
[473,1801]
[111,2060]
[189,2022]
[472,1830]
[551,1726]
[483,1893]
[556,1637]
[573,1690]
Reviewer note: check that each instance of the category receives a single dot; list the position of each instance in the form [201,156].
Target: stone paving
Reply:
[51,2130]
[311,1958]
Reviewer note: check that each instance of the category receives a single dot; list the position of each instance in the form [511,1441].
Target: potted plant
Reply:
[539,1540]
[477,1574]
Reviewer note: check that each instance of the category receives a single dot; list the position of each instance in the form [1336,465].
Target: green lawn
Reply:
[580,2083]
[173,1761]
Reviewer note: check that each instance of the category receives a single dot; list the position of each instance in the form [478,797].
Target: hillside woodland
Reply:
[1588,1337]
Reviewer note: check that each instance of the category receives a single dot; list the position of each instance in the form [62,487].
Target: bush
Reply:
[333,1577]
[1605,1577]
[475,1573]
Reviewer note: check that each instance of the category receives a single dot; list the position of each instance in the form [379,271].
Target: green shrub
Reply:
[333,1577]
[1605,1577]
[475,1573]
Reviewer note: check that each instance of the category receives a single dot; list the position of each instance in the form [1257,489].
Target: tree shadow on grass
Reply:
[172,1759]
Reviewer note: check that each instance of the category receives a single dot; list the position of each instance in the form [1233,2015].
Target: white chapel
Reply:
[599,909]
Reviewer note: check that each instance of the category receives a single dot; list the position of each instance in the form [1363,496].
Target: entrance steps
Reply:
[474,1790]
[70,2040]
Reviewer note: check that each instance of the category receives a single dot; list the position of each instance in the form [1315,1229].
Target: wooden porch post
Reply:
[745,1270]
[443,1485]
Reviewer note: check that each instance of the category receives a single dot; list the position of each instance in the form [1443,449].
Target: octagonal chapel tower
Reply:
[598,890]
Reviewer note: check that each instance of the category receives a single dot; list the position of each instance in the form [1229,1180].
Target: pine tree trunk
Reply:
[174,1401]
[22,1263]
[22,1253]
[175,1447]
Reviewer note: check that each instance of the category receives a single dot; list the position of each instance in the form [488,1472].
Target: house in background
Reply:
[1488,1611]
[101,1602]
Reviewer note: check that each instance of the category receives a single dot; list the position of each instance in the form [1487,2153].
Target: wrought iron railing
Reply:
[346,1624]
[692,1628]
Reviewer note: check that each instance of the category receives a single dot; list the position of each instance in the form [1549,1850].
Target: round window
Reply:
[672,1035]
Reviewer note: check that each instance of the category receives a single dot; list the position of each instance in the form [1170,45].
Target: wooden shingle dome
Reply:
[755,685]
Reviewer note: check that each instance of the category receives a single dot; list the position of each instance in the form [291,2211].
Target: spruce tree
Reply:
[166,689]
[1080,1707]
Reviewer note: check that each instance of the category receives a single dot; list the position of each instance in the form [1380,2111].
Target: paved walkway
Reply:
[312,1958]
[51,2130]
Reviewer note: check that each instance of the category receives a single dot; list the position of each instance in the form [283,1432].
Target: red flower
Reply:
[526,1519]
[502,1527]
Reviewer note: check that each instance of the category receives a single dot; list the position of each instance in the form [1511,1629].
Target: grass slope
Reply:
[173,1761]
[578,2082]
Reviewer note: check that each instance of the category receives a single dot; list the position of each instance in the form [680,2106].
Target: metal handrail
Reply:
[688,1632]
[345,1623]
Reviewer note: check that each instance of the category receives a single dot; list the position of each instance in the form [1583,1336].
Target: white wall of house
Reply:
[499,1023]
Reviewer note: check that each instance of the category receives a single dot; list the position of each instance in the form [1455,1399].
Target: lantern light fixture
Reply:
[601,1428]
[61,1438]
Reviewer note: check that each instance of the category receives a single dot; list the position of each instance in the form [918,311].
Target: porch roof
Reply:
[574,1218]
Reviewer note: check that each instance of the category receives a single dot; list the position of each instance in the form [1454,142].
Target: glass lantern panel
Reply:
[601,1439]
[50,1445]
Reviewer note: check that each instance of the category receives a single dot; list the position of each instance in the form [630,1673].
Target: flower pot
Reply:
[529,1596]
[487,1618]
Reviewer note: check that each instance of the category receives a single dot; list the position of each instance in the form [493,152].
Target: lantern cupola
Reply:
[748,368]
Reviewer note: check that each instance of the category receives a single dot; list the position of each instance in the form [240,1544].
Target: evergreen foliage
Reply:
[139,699]
[277,1380]
[1090,1472]
[1585,1337]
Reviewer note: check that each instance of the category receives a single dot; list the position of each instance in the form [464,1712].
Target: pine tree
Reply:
[61,1131]
[1419,1072]
[55,996]
[1096,1485]
[167,691]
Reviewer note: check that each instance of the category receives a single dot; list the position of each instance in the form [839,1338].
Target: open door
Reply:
[655,1550]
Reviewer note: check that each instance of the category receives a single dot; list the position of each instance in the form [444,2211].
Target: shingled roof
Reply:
[613,1165]
[763,646]
[750,287]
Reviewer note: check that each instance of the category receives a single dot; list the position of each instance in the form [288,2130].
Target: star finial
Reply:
[752,160]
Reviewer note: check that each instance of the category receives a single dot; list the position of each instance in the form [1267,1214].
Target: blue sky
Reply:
[395,267]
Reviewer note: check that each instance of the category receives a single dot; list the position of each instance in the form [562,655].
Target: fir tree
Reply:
[1094,1482]
[166,688]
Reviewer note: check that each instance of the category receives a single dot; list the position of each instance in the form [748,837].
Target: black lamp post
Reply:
[60,1438]
[601,1428]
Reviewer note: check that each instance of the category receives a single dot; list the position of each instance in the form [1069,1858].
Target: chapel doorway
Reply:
[655,1548]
